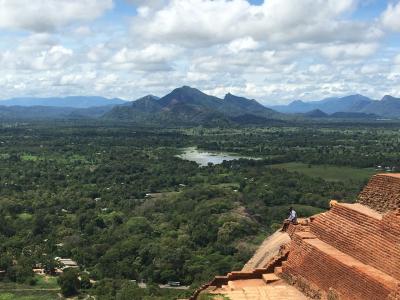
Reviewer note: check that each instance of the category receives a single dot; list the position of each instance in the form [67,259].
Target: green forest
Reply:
[115,198]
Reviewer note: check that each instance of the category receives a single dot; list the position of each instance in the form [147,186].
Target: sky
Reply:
[275,51]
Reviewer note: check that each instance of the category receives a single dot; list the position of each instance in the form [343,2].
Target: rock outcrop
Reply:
[351,252]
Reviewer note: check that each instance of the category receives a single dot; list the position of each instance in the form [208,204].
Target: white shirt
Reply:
[292,215]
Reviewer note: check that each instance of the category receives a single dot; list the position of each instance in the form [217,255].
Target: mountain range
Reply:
[190,106]
[187,105]
[387,107]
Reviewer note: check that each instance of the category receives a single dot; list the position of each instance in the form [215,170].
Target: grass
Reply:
[29,295]
[327,172]
[11,291]
[28,157]
[46,282]
[25,216]
[4,156]
[42,282]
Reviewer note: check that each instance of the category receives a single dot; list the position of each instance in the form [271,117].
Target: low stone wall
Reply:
[219,281]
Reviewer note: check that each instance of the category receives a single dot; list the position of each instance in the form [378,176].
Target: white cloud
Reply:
[83,31]
[36,52]
[98,53]
[274,52]
[397,59]
[74,79]
[204,22]
[47,15]
[344,51]
[391,17]
[318,68]
[243,44]
[151,58]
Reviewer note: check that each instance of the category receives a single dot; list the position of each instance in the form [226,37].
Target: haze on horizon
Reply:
[274,51]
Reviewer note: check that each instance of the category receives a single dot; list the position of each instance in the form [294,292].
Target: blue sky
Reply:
[274,50]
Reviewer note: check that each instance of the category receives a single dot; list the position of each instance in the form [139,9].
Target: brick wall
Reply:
[329,273]
[395,295]
[373,241]
[382,193]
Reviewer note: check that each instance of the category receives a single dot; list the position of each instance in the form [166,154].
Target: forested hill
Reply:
[188,105]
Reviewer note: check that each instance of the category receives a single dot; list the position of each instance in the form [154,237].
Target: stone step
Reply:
[263,293]
[351,262]
[258,290]
[270,277]
[366,238]
[326,267]
[226,287]
[278,271]
[362,209]
[231,285]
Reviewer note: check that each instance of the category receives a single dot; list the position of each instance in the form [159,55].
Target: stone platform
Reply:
[271,287]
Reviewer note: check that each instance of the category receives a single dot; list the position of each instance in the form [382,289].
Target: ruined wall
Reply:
[382,193]
[307,263]
[373,241]
[352,251]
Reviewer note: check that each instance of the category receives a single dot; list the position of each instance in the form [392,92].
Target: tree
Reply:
[129,291]
[69,282]
[50,265]
[85,281]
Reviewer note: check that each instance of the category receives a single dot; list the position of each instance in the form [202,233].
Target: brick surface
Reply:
[382,193]
[373,240]
[327,268]
[351,252]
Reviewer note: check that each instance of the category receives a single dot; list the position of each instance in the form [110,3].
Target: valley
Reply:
[115,198]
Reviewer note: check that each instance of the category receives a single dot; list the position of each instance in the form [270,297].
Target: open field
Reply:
[42,283]
[330,173]
[46,288]
[29,295]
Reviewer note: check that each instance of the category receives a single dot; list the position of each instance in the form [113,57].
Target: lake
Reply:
[203,158]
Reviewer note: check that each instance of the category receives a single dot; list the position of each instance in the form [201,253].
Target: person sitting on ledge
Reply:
[291,219]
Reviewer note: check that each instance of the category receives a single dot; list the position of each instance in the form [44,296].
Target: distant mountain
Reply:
[188,105]
[36,112]
[238,105]
[319,114]
[295,107]
[73,101]
[50,112]
[315,113]
[353,103]
[388,107]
